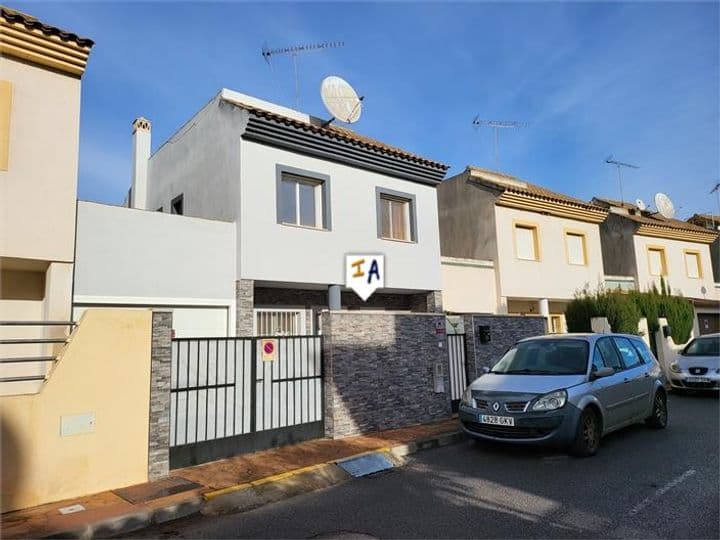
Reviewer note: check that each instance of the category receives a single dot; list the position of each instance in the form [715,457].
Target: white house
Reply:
[300,195]
[642,248]
[513,247]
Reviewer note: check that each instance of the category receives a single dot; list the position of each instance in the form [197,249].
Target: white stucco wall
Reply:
[552,276]
[125,254]
[469,286]
[676,273]
[275,252]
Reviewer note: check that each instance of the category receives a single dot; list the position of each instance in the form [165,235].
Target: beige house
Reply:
[40,79]
[641,248]
[509,246]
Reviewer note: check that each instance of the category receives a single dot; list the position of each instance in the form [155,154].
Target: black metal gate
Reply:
[458,368]
[227,397]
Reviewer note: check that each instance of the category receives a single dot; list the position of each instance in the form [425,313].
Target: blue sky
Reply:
[637,80]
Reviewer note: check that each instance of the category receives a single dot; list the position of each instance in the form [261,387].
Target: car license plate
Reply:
[697,380]
[497,420]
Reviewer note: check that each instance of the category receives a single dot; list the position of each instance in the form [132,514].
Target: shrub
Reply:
[621,311]
[680,316]
[579,312]
[649,304]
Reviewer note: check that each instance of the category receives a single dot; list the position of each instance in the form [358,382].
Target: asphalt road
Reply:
[642,484]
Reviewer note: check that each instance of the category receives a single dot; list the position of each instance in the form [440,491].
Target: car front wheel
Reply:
[659,417]
[587,438]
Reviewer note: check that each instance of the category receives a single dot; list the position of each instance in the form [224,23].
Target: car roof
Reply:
[586,336]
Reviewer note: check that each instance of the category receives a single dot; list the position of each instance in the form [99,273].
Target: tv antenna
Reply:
[716,191]
[620,165]
[294,51]
[496,126]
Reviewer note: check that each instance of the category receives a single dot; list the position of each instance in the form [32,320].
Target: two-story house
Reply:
[711,222]
[40,83]
[302,194]
[643,247]
[510,246]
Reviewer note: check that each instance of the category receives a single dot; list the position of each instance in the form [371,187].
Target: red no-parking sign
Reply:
[269,349]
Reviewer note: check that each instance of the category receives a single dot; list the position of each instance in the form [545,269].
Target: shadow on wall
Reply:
[11,463]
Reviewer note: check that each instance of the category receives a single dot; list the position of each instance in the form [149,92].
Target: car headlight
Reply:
[674,367]
[467,398]
[551,401]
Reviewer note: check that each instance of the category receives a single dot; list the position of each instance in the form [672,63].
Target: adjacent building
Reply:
[510,246]
[300,194]
[40,85]
[641,248]
[711,222]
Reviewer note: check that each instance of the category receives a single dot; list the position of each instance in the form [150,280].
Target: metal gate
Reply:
[228,398]
[458,368]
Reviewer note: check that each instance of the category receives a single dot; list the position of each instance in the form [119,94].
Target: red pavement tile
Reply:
[46,519]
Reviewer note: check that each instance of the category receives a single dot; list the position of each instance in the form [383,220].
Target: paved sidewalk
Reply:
[188,490]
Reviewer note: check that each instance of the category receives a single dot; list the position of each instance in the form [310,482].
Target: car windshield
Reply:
[704,346]
[545,357]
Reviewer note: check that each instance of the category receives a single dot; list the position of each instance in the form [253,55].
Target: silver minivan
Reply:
[566,390]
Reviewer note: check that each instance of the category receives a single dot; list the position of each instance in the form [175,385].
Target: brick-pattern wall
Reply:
[429,302]
[244,302]
[379,371]
[505,330]
[160,366]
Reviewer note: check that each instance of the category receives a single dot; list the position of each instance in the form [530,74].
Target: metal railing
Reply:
[44,358]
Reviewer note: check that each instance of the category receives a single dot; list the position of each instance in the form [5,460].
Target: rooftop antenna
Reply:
[496,126]
[620,165]
[293,52]
[716,191]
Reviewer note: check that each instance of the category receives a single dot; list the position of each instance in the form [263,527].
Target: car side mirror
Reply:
[602,372]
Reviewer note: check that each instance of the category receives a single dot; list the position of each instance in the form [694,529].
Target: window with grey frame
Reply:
[396,216]
[302,201]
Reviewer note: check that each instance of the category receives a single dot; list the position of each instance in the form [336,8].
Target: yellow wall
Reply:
[104,370]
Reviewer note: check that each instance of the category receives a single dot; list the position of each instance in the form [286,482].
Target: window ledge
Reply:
[306,227]
[398,240]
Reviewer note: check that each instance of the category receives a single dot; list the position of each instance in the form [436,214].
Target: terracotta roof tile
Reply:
[517,185]
[32,23]
[344,134]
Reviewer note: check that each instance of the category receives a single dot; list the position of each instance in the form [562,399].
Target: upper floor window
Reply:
[177,206]
[396,215]
[527,246]
[657,265]
[576,248]
[693,268]
[302,200]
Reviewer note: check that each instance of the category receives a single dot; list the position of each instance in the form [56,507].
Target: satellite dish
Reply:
[640,204]
[340,99]
[664,205]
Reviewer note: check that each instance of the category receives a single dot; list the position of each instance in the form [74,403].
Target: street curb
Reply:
[250,495]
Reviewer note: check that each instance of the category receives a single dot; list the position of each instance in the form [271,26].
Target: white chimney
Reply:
[141,156]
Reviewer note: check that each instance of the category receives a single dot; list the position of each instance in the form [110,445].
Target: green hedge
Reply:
[624,311]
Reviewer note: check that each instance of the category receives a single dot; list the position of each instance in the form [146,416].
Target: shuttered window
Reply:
[656,262]
[526,242]
[575,243]
[692,264]
[395,218]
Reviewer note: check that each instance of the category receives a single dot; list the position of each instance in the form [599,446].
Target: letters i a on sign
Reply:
[364,274]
